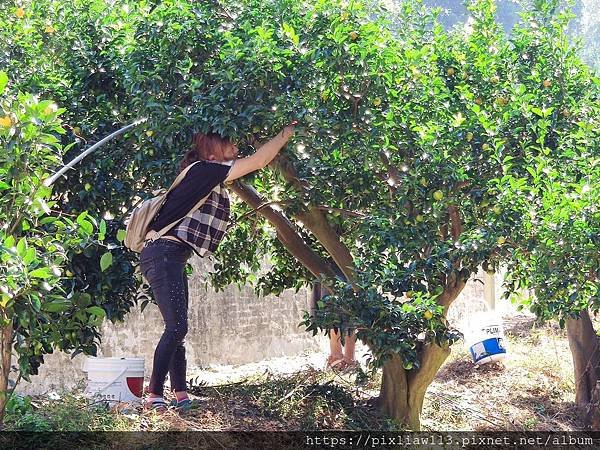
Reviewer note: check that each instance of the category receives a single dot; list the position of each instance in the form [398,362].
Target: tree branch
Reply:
[453,286]
[286,202]
[316,222]
[455,222]
[341,211]
[393,173]
[286,233]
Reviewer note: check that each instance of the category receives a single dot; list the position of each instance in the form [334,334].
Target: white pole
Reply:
[489,290]
[50,181]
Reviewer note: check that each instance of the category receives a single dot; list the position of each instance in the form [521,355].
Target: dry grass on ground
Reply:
[532,390]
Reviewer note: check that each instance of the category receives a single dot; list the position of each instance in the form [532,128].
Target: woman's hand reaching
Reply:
[263,156]
[289,130]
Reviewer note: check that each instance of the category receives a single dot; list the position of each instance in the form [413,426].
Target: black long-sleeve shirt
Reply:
[197,184]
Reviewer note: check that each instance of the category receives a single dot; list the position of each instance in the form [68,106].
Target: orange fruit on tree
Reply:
[20,13]
[6,122]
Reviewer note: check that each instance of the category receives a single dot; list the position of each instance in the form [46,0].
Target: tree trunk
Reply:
[393,396]
[585,349]
[403,391]
[286,232]
[592,414]
[6,341]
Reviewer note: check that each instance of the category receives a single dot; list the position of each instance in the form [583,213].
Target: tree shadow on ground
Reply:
[549,414]
[464,371]
[308,400]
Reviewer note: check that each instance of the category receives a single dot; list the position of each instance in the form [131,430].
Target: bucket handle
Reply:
[115,379]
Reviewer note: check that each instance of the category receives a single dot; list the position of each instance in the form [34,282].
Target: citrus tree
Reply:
[40,307]
[555,251]
[61,275]
[392,180]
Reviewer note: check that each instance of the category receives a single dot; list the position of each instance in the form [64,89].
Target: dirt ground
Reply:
[533,389]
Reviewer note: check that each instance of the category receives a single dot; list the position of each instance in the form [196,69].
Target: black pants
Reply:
[162,263]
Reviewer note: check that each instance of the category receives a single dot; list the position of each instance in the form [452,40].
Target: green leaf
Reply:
[291,33]
[537,111]
[84,299]
[86,226]
[42,272]
[22,247]
[96,311]
[102,230]
[57,306]
[29,256]
[121,235]
[106,261]
[81,217]
[48,220]
[9,242]
[3,81]
[36,303]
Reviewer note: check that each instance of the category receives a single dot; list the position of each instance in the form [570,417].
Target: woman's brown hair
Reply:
[203,147]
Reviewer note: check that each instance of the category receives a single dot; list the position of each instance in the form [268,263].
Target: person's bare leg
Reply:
[336,353]
[349,347]
[181,395]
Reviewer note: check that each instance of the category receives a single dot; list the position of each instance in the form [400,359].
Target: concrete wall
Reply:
[229,327]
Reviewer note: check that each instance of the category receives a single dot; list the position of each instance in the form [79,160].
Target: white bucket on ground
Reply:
[115,379]
[485,338]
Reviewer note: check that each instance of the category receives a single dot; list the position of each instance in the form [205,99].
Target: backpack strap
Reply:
[180,177]
[152,235]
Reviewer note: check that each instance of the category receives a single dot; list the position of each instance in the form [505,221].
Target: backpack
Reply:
[136,232]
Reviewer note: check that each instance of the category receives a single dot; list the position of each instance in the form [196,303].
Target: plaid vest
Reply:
[205,227]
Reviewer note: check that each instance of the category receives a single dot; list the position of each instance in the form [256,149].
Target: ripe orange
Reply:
[6,122]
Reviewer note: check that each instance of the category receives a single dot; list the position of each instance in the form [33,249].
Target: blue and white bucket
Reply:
[485,339]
